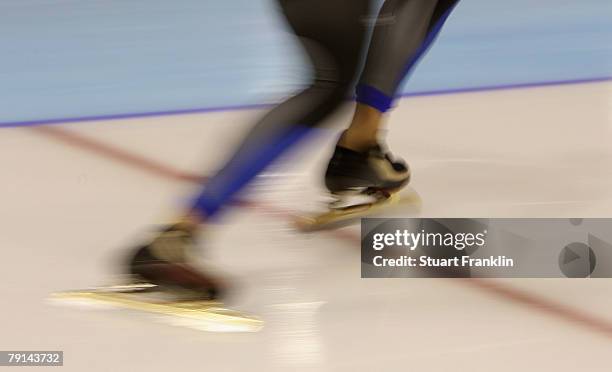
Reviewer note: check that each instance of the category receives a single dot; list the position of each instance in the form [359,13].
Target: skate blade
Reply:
[335,218]
[206,316]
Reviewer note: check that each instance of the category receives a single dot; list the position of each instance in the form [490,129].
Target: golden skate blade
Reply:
[335,217]
[207,316]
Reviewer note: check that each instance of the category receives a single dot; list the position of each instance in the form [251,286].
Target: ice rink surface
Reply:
[75,196]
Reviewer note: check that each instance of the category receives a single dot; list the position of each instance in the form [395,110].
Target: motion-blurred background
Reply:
[67,58]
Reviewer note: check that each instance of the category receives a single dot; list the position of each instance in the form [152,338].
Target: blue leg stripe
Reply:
[373,97]
[221,189]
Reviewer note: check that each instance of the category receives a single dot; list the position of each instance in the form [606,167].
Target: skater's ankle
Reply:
[357,143]
[362,134]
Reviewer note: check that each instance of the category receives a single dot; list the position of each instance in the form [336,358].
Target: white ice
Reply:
[68,213]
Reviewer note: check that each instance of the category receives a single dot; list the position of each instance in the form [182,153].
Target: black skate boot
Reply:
[164,263]
[373,172]
[360,183]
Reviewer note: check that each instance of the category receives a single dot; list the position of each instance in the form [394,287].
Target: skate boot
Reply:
[360,183]
[164,263]
[373,173]
[164,284]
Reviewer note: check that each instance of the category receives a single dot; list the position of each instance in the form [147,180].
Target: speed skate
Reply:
[167,306]
[361,183]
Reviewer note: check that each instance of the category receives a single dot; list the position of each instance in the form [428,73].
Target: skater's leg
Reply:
[404,32]
[332,33]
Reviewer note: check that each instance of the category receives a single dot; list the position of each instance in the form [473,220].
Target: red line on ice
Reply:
[491,287]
